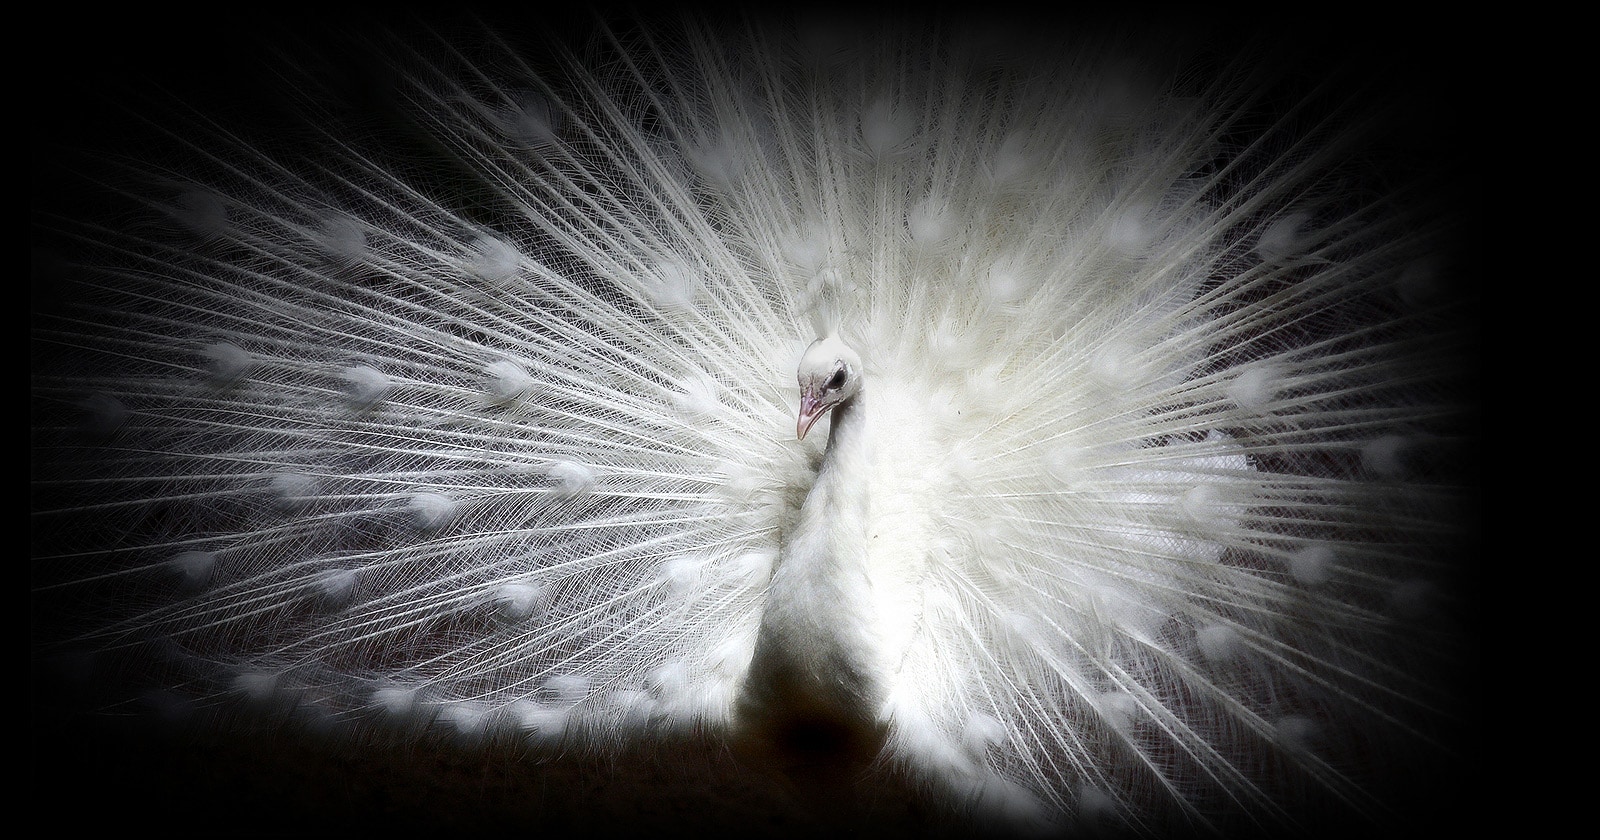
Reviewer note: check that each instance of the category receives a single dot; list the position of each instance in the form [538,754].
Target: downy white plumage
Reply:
[1132,498]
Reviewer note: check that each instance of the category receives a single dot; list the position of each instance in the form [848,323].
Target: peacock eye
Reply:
[837,381]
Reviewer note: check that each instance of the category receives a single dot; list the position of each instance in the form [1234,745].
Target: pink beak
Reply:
[811,410]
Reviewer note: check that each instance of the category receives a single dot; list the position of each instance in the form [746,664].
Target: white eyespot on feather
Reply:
[517,602]
[493,259]
[530,122]
[1012,162]
[1126,609]
[569,478]
[1312,565]
[669,682]
[1296,733]
[543,725]
[671,285]
[682,575]
[931,222]
[634,709]
[431,511]
[806,249]
[226,363]
[1386,457]
[399,703]
[751,568]
[566,689]
[699,397]
[1284,238]
[1133,232]
[1119,366]
[885,129]
[1008,281]
[1218,643]
[194,568]
[466,720]
[719,159]
[1255,386]
[982,733]
[342,240]
[1204,505]
[168,707]
[335,588]
[506,381]
[257,688]
[730,658]
[292,491]
[1095,805]
[1065,464]
[365,386]
[1119,709]
[1012,805]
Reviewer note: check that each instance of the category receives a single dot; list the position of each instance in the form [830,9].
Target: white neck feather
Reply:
[816,655]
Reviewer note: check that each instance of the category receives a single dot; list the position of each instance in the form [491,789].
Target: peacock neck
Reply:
[828,547]
[816,652]
[847,436]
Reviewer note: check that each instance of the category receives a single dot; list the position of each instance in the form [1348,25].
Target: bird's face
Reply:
[830,374]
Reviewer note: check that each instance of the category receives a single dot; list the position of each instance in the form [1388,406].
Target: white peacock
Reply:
[1135,505]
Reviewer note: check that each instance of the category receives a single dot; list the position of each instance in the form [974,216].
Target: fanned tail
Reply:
[490,438]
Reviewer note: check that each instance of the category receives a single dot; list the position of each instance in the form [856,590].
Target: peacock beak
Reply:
[811,410]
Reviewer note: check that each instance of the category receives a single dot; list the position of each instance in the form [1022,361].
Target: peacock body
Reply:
[1146,514]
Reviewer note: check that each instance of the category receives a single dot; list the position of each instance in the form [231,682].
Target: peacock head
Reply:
[830,375]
